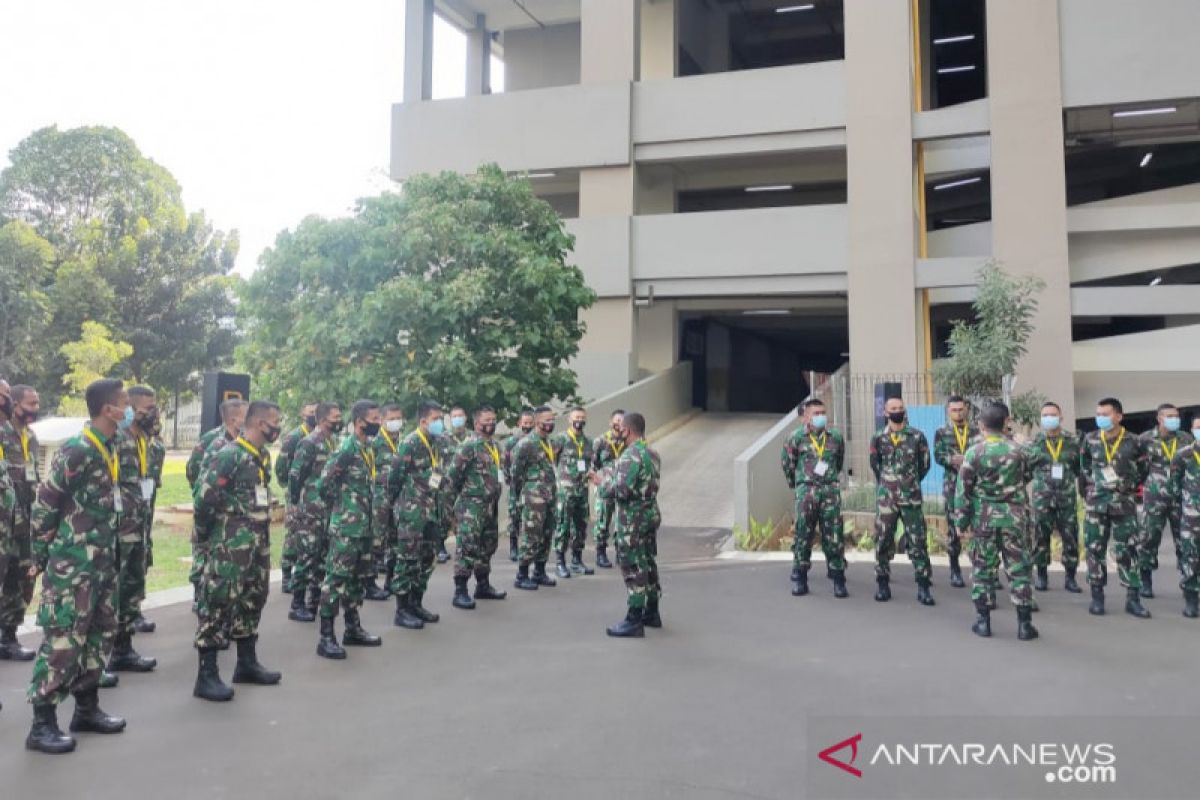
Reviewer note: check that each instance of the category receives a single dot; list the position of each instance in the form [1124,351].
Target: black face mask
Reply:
[27,417]
[897,416]
[6,406]
[488,429]
[371,429]
[271,434]
[526,430]
[146,419]
[548,427]
[337,427]
[578,426]
[310,421]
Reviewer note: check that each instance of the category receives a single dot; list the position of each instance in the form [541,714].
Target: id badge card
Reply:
[1056,472]
[581,466]
[147,485]
[1110,474]
[118,503]
[30,472]
[261,498]
[435,480]
[820,469]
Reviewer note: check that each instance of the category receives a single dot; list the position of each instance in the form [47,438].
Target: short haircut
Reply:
[388,408]
[1052,404]
[140,391]
[578,408]
[259,409]
[18,392]
[427,407]
[361,408]
[955,398]
[484,409]
[1166,407]
[229,406]
[619,411]
[324,409]
[1113,403]
[308,403]
[543,410]
[457,408]
[526,412]
[994,416]
[635,423]
[99,394]
[813,402]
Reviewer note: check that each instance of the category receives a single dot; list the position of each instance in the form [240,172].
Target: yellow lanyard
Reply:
[2,456]
[109,458]
[1108,454]
[578,443]
[616,451]
[368,457]
[995,439]
[141,448]
[962,438]
[1055,454]
[304,431]
[820,448]
[549,451]
[389,441]
[896,439]
[252,450]
[1170,454]
[433,459]
[493,451]
[1196,456]
[25,444]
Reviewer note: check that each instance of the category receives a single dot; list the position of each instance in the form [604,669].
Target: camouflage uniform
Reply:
[1054,499]
[10,552]
[16,587]
[632,484]
[818,496]
[416,508]
[202,524]
[1110,507]
[948,441]
[447,445]
[383,528]
[571,514]
[348,487]
[1185,483]
[534,482]
[234,490]
[605,451]
[900,461]
[157,457]
[283,466]
[475,484]
[1160,503]
[133,459]
[74,525]
[514,498]
[310,512]
[990,501]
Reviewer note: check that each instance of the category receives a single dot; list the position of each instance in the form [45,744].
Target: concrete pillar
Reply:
[658,336]
[418,50]
[659,48]
[479,58]
[879,149]
[609,41]
[1029,208]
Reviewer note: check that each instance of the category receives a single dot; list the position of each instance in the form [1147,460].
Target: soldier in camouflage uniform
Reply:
[605,451]
[475,486]
[900,460]
[137,491]
[74,525]
[348,486]
[310,512]
[575,459]
[20,447]
[633,481]
[233,414]
[950,443]
[1112,464]
[812,466]
[990,501]
[10,551]
[1054,459]
[386,445]
[283,465]
[234,490]
[156,455]
[457,433]
[524,428]
[535,482]
[1160,503]
[1185,483]
[413,491]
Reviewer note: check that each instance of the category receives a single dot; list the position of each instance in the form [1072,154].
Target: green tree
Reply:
[457,288]
[25,260]
[90,358]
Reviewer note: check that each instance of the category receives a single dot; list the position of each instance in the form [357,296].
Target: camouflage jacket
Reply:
[900,462]
[385,455]
[1042,454]
[1185,483]
[506,451]
[418,460]
[194,460]
[990,492]
[133,461]
[606,450]
[24,480]
[1128,462]
[75,507]
[287,449]
[804,450]
[945,447]
[304,476]
[573,453]
[475,472]
[236,485]
[8,500]
[533,466]
[347,485]
[632,483]
[455,438]
[1160,452]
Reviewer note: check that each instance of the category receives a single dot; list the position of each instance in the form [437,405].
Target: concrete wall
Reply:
[662,399]
[602,252]
[658,47]
[759,488]
[538,58]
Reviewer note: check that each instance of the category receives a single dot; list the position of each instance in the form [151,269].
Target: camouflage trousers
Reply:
[79,621]
[1057,515]
[202,535]
[477,536]
[1189,551]
[537,528]
[416,548]
[131,579]
[348,567]
[887,515]
[150,538]
[383,526]
[953,539]
[571,522]
[602,517]
[988,548]
[16,587]
[514,516]
[637,553]
[819,508]
[287,556]
[1126,535]
[1154,519]
[234,587]
[312,543]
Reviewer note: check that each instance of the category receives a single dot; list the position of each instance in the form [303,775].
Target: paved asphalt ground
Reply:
[527,698]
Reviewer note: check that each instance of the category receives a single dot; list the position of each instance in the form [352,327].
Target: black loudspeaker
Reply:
[219,387]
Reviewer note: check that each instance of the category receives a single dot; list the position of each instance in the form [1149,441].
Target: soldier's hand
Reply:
[34,571]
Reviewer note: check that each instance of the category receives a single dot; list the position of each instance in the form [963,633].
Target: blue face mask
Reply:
[457,422]
[1171,424]
[437,427]
[819,421]
[128,420]
[1050,422]
[1104,423]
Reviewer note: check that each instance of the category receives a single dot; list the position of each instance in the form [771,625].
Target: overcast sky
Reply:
[264,110]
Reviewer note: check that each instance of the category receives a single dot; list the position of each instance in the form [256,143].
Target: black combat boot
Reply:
[523,580]
[883,593]
[248,669]
[299,611]
[577,566]
[1133,605]
[539,575]
[1148,584]
[630,627]
[956,578]
[838,577]
[991,599]
[208,679]
[355,635]
[560,566]
[484,589]
[45,735]
[90,718]
[443,555]
[1025,629]
[108,680]
[143,625]
[1097,606]
[462,598]
[924,596]
[374,591]
[327,645]
[799,582]
[650,617]
[405,618]
[602,557]
[1069,584]
[1191,604]
[983,618]
[512,549]
[10,647]
[1042,582]
[423,613]
[125,659]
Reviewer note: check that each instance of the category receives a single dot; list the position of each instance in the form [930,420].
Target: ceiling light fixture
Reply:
[533,176]
[1157,280]
[1144,112]
[782,187]
[790,9]
[955,184]
[969,37]
[1146,159]
[766,312]
[952,70]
